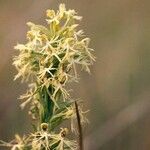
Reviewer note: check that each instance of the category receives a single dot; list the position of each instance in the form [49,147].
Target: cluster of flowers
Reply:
[47,62]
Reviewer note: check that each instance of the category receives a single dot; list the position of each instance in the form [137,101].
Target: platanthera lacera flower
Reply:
[47,61]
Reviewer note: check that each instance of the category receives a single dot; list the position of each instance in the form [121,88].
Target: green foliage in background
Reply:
[47,61]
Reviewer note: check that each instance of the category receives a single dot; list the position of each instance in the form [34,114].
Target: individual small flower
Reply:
[50,13]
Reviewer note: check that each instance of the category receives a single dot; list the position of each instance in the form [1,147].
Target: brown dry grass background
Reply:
[117,92]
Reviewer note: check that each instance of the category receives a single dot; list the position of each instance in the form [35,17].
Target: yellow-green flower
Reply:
[47,61]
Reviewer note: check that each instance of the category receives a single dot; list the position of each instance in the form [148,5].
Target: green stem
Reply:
[47,106]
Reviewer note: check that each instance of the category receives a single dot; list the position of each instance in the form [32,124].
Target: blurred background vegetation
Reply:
[117,91]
